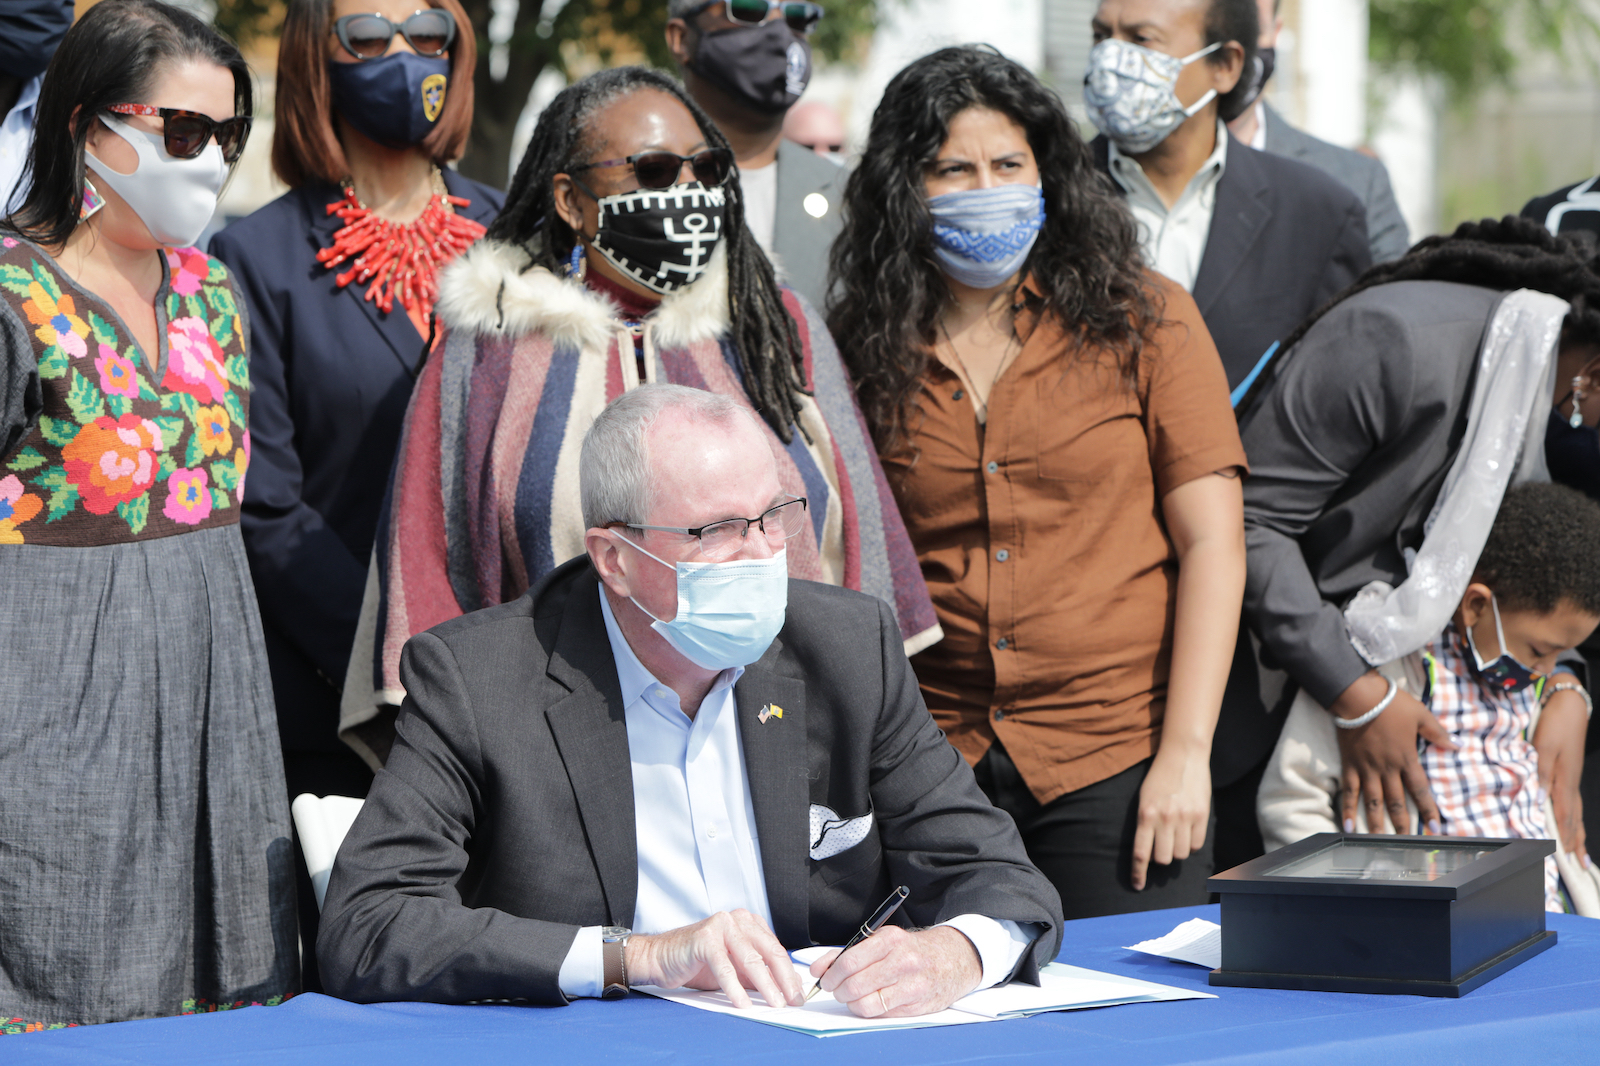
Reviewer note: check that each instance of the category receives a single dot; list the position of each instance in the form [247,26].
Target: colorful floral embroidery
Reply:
[58,321]
[188,497]
[112,460]
[118,377]
[14,1026]
[16,507]
[194,361]
[108,434]
[213,429]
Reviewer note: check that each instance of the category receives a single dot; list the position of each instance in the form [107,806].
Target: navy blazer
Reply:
[1285,239]
[331,377]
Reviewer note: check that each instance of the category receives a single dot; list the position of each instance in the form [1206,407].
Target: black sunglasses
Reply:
[801,16]
[186,133]
[660,169]
[429,33]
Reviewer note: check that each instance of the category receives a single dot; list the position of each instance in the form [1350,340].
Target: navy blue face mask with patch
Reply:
[395,101]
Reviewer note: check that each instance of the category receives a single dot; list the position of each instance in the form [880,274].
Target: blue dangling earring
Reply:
[576,262]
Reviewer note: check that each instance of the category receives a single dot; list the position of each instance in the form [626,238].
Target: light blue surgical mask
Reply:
[729,613]
[983,236]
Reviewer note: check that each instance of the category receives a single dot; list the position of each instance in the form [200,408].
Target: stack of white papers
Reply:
[1197,941]
[1060,988]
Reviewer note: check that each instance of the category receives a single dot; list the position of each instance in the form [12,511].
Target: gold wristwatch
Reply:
[614,961]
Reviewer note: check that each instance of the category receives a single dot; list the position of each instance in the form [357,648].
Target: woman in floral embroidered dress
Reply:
[147,865]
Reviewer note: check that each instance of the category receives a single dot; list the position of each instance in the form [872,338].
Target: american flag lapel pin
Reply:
[771,710]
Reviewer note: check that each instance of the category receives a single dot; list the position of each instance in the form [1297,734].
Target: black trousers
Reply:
[1083,842]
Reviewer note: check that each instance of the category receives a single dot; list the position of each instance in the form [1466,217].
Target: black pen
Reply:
[872,925]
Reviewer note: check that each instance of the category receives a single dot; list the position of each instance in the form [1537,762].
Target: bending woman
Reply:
[146,862]
[1408,405]
[1055,423]
[621,258]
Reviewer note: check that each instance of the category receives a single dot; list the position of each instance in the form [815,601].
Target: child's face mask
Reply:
[1505,673]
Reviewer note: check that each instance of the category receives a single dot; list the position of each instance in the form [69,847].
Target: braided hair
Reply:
[765,337]
[1505,254]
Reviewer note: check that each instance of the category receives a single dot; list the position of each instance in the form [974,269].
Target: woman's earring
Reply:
[92,200]
[1577,398]
[577,265]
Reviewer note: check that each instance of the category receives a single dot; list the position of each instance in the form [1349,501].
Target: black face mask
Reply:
[661,238]
[30,30]
[395,100]
[765,67]
[1573,455]
[1260,73]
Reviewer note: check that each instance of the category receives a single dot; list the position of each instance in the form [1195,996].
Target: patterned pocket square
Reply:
[831,834]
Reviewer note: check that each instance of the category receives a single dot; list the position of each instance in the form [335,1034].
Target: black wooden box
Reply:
[1424,916]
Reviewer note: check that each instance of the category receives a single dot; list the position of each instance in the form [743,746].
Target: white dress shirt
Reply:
[1173,239]
[16,137]
[760,188]
[695,827]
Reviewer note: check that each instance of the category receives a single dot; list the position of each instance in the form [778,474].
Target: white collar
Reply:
[1129,173]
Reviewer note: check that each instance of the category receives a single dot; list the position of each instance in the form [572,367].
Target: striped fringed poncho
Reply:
[485,502]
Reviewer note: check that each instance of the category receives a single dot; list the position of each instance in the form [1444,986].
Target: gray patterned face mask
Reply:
[1131,93]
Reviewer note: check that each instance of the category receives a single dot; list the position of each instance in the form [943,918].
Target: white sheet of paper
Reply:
[1060,988]
[1197,941]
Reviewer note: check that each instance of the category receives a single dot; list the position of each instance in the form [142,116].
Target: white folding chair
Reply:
[323,824]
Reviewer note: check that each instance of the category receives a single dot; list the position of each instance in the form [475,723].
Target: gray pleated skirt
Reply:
[145,864]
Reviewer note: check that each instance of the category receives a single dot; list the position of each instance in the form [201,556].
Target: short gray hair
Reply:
[614,467]
[677,9]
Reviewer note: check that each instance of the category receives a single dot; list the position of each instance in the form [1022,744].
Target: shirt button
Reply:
[958,394]
[991,466]
[1001,643]
[1002,555]
[661,693]
[711,833]
[999,716]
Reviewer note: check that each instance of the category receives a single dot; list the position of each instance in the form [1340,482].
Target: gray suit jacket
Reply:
[504,819]
[1349,442]
[1361,174]
[801,240]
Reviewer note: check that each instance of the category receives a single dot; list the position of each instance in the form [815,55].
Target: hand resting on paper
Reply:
[899,974]
[731,951]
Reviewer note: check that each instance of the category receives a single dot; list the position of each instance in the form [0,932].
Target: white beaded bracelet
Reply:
[1383,705]
[1570,686]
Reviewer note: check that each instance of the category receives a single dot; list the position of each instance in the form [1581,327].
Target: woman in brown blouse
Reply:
[1055,423]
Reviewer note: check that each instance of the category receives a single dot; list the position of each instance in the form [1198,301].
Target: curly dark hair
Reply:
[1506,254]
[1543,548]
[765,337]
[889,291]
[111,56]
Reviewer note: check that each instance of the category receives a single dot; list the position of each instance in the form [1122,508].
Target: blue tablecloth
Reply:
[1545,1011]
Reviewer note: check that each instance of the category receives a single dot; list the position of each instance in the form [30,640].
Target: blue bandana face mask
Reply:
[729,613]
[982,236]
[1505,673]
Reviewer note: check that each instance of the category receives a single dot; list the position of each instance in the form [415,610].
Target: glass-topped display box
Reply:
[1432,916]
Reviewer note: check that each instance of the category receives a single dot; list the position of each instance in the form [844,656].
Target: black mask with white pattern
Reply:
[661,238]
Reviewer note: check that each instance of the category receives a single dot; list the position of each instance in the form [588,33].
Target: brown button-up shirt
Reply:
[1042,541]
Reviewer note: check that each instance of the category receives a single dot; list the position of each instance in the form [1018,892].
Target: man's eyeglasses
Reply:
[186,133]
[660,169]
[722,539]
[429,32]
[802,16]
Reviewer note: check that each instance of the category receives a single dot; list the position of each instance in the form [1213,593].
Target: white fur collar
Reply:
[491,290]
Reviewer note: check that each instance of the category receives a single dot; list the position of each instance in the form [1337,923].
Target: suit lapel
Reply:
[1238,218]
[591,733]
[778,770]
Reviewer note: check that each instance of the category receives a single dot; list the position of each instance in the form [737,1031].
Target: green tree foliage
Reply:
[583,32]
[1473,44]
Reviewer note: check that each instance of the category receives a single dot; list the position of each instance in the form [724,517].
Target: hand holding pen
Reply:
[884,912]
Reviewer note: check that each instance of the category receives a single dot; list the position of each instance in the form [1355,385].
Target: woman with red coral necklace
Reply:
[146,867]
[374,98]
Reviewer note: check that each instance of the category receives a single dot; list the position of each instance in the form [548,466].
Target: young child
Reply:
[1534,594]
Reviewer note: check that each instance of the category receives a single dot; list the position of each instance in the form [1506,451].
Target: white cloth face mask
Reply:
[729,613]
[174,198]
[1131,93]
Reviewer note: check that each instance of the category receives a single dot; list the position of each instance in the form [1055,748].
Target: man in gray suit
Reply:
[747,75]
[668,763]
[1261,127]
